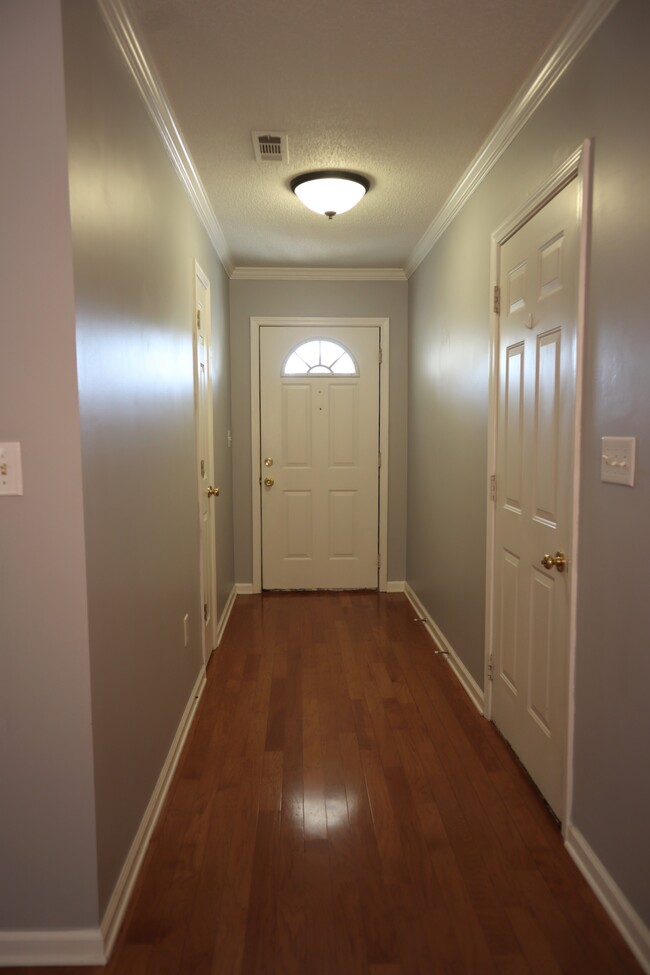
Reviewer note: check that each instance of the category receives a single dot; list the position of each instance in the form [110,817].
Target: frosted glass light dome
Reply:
[330,191]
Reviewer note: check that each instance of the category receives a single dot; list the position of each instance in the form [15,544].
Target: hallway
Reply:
[341,807]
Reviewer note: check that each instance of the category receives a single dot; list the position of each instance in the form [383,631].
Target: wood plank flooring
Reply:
[342,809]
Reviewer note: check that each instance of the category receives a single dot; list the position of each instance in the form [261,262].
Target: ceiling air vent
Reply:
[271,146]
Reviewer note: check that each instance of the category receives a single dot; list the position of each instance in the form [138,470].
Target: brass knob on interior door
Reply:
[213,492]
[559,561]
[269,482]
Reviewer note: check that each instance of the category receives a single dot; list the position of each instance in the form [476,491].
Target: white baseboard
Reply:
[124,886]
[610,895]
[93,946]
[395,586]
[473,690]
[225,616]
[21,949]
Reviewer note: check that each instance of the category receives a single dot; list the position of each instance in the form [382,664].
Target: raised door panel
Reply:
[517,280]
[343,424]
[541,638]
[513,440]
[546,432]
[551,266]
[296,421]
[297,521]
[509,621]
[342,524]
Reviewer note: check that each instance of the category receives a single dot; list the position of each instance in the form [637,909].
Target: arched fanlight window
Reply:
[320,357]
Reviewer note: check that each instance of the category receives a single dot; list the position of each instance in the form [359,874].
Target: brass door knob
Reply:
[269,482]
[559,561]
[268,462]
[213,492]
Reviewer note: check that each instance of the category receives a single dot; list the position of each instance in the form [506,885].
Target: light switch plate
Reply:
[618,460]
[11,469]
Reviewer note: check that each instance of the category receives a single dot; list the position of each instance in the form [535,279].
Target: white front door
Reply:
[535,439]
[205,462]
[319,442]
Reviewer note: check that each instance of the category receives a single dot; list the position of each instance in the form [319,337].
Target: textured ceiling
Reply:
[403,91]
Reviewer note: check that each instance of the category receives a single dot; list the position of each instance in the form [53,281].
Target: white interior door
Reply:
[535,436]
[205,463]
[319,440]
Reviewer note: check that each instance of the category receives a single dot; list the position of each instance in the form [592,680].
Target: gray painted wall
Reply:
[134,438]
[135,240]
[47,826]
[386,299]
[604,95]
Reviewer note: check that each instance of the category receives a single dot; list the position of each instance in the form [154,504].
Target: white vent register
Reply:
[271,146]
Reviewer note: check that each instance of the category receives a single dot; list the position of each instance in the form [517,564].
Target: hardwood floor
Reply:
[342,809]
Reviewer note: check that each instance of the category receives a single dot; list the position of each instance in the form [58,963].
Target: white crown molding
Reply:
[154,97]
[318,274]
[547,73]
[549,70]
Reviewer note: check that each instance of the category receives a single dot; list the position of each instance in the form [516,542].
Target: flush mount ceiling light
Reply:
[330,191]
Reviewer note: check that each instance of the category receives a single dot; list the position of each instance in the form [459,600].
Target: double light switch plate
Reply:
[618,457]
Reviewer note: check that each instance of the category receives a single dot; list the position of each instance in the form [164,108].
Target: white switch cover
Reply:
[618,458]
[11,469]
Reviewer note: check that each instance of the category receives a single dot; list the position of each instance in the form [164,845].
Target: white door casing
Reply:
[339,394]
[535,400]
[205,461]
[320,449]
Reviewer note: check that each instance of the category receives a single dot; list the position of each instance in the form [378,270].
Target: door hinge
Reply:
[493,487]
[490,668]
[202,468]
[198,319]
[497,300]
[205,612]
[381,355]
[378,560]
[379,459]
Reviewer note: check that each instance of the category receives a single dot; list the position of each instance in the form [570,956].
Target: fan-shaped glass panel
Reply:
[320,357]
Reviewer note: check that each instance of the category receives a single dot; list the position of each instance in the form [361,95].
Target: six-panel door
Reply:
[537,351]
